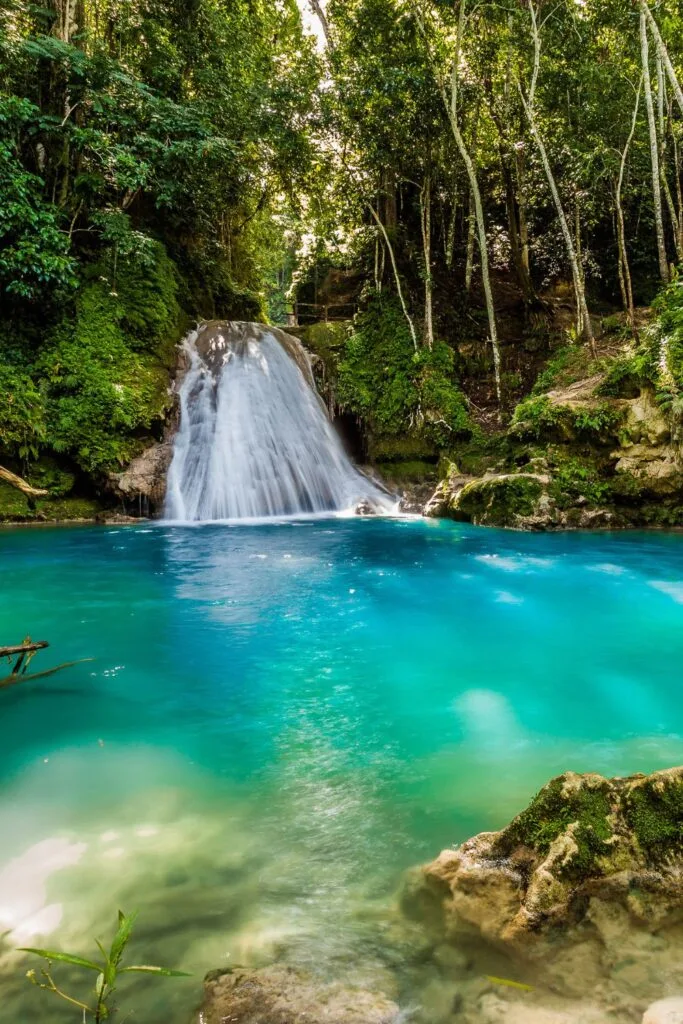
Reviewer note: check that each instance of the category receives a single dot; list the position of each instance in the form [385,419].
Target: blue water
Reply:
[279,719]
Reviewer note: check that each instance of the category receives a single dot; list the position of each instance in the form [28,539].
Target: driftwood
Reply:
[28,645]
[21,485]
[20,677]
[24,653]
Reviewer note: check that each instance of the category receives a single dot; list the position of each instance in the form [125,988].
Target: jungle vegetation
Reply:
[482,179]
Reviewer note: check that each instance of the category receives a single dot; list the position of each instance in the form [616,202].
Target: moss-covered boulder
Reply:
[283,995]
[589,873]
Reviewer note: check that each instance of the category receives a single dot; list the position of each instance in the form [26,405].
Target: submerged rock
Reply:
[665,1011]
[282,995]
[586,884]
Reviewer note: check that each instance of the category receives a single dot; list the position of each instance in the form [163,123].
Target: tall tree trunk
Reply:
[426,224]
[397,279]
[624,269]
[664,53]
[662,117]
[583,316]
[471,231]
[451,106]
[654,149]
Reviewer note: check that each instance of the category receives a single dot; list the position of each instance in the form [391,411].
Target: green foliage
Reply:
[108,971]
[34,252]
[665,348]
[394,388]
[105,371]
[623,377]
[535,417]
[601,421]
[576,477]
[567,365]
[22,414]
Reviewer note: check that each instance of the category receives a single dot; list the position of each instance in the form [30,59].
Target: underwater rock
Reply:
[282,995]
[587,883]
[665,1011]
[145,477]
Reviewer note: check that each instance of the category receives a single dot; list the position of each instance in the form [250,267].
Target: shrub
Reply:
[394,388]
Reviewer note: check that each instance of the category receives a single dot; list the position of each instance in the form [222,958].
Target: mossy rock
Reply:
[413,471]
[14,505]
[559,805]
[51,475]
[409,448]
[70,509]
[499,500]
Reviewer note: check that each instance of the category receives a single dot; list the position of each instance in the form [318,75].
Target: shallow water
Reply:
[280,719]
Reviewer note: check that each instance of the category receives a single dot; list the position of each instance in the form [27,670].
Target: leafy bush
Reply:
[106,368]
[567,365]
[34,252]
[22,414]
[394,388]
[601,420]
[574,478]
[535,417]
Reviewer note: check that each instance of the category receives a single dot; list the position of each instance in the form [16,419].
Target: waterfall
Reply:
[254,439]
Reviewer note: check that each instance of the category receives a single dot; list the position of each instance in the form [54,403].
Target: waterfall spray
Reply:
[255,440]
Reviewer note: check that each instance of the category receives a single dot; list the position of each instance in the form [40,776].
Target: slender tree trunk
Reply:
[624,269]
[322,18]
[426,224]
[471,230]
[397,279]
[528,104]
[451,106]
[664,53]
[523,222]
[450,237]
[662,105]
[654,150]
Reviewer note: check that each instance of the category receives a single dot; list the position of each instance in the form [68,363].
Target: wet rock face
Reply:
[586,883]
[144,480]
[282,995]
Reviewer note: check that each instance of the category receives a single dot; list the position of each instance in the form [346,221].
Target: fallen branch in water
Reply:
[22,677]
[25,651]
[21,484]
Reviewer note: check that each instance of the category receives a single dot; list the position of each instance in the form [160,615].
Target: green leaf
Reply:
[148,969]
[65,958]
[121,938]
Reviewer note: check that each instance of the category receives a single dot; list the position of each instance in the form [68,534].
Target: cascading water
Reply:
[254,438]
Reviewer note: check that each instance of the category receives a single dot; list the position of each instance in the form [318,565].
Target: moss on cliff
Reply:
[585,808]
[609,823]
[106,367]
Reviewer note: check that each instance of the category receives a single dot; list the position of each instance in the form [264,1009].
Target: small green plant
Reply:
[535,417]
[108,971]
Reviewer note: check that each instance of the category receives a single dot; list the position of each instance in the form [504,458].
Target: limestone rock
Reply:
[665,1011]
[497,499]
[282,995]
[578,882]
[145,476]
[657,468]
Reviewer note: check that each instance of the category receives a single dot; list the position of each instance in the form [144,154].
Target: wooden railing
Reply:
[319,311]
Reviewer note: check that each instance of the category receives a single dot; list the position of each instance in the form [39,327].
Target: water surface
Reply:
[280,719]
